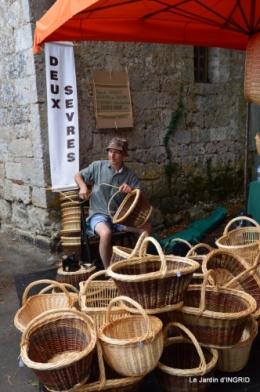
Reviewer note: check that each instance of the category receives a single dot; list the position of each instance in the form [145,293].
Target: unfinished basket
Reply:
[58,347]
[236,358]
[215,315]
[184,362]
[133,211]
[42,302]
[131,345]
[252,72]
[75,277]
[95,296]
[156,282]
[122,253]
[233,272]
[244,241]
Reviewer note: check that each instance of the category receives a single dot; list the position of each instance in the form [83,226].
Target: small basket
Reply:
[131,345]
[75,277]
[40,303]
[58,347]
[133,211]
[252,71]
[95,296]
[236,358]
[157,283]
[184,362]
[244,241]
[215,315]
[257,142]
[121,253]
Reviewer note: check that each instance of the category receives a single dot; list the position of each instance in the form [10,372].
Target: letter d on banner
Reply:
[62,104]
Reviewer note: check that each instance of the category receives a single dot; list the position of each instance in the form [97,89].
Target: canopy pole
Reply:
[246,159]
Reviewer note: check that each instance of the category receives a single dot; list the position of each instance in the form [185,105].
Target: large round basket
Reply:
[244,241]
[233,272]
[58,346]
[42,302]
[132,345]
[122,253]
[184,362]
[216,316]
[157,283]
[75,277]
[133,211]
[236,358]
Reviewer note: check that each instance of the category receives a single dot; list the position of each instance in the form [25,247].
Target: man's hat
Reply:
[119,144]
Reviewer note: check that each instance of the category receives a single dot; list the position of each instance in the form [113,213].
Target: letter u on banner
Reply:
[62,104]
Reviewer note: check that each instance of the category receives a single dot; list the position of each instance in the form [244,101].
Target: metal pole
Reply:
[246,159]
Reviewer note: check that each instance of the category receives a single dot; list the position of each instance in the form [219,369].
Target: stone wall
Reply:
[212,127]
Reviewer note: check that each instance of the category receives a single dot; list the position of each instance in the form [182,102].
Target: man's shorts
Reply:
[95,219]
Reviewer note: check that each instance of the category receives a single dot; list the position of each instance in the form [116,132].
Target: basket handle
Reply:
[202,304]
[150,334]
[135,191]
[66,285]
[84,290]
[238,218]
[175,240]
[138,245]
[202,366]
[252,268]
[142,253]
[192,252]
[49,282]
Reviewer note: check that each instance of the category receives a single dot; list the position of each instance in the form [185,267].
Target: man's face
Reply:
[115,157]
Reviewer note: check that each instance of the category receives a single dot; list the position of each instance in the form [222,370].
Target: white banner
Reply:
[62,106]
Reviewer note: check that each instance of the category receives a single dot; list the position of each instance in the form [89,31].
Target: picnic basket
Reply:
[122,253]
[42,302]
[75,277]
[95,296]
[133,211]
[58,347]
[244,241]
[131,345]
[156,282]
[185,360]
[236,358]
[215,315]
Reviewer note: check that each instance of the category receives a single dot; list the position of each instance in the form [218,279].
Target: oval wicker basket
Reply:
[185,360]
[215,315]
[132,345]
[42,302]
[122,253]
[58,347]
[236,358]
[133,211]
[157,282]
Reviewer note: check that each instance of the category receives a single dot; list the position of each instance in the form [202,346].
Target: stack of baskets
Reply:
[71,223]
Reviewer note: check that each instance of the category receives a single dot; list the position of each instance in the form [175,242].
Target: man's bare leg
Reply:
[105,248]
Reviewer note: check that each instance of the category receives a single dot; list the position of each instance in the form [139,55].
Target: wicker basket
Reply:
[244,241]
[75,277]
[95,296]
[233,272]
[252,71]
[157,282]
[71,226]
[134,210]
[121,253]
[215,315]
[131,345]
[236,358]
[184,362]
[58,347]
[166,251]
[42,302]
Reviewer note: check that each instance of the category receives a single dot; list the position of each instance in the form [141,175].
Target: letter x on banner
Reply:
[62,104]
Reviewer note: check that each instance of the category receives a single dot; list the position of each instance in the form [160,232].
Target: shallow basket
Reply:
[75,277]
[122,253]
[58,347]
[236,358]
[215,315]
[133,211]
[184,362]
[131,345]
[42,302]
[95,296]
[157,283]
[244,241]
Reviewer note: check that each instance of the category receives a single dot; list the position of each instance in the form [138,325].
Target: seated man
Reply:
[107,177]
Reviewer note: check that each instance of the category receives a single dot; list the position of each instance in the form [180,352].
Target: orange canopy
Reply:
[213,23]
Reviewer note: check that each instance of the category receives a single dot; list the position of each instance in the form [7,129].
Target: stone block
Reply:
[14,170]
[22,193]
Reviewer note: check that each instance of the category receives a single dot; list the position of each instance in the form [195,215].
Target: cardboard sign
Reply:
[112,100]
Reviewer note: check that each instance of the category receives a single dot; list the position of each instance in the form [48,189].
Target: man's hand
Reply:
[84,193]
[125,188]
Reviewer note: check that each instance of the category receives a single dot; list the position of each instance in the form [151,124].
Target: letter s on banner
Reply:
[60,73]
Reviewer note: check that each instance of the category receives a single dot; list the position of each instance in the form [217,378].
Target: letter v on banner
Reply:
[62,114]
